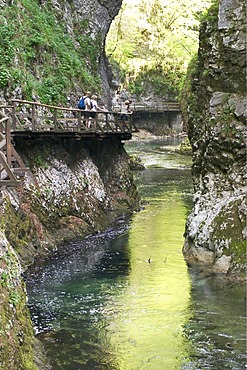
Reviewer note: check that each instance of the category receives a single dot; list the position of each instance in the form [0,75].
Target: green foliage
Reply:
[186,97]
[38,54]
[163,39]
[184,148]
[17,228]
[210,15]
[4,278]
[135,163]
[162,78]
[40,162]
[6,45]
[14,298]
[4,76]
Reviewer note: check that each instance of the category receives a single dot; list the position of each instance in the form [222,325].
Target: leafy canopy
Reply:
[152,41]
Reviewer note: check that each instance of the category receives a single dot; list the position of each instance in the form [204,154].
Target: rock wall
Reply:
[98,15]
[216,118]
[16,335]
[160,124]
[84,26]
[73,188]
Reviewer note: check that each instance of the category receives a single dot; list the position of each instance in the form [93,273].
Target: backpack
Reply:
[81,103]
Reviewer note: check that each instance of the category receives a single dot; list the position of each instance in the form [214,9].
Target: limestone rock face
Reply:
[92,19]
[16,333]
[97,16]
[73,189]
[216,228]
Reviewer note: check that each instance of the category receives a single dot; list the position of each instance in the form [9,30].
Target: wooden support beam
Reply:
[18,158]
[33,117]
[20,170]
[5,165]
[2,144]
[10,182]
[8,142]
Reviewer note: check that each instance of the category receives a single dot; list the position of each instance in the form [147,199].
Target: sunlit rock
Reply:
[215,230]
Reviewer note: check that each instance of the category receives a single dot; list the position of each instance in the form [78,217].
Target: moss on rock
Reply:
[16,333]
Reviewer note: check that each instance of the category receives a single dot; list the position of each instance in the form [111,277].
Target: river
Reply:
[126,300]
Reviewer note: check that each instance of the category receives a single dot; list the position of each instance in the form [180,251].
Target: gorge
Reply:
[76,189]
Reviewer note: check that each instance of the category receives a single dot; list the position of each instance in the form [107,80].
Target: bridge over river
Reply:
[33,120]
[153,107]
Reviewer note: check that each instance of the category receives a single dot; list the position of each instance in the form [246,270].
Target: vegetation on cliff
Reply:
[152,42]
[214,108]
[40,58]
[16,332]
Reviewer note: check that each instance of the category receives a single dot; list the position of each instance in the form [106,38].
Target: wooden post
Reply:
[118,124]
[8,169]
[79,121]
[55,118]
[14,116]
[116,121]
[96,122]
[107,122]
[33,117]
[130,122]
[8,142]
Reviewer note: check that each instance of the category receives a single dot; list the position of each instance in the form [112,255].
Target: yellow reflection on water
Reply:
[146,329]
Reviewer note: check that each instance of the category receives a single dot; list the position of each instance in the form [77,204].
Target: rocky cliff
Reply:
[53,51]
[216,119]
[96,16]
[73,188]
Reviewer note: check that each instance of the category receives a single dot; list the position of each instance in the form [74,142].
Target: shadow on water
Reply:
[125,299]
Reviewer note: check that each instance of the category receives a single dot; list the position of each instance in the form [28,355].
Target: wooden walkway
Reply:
[29,118]
[32,120]
[157,108]
[11,163]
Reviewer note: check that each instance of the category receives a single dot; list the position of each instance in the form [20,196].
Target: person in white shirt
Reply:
[88,107]
[125,110]
[95,108]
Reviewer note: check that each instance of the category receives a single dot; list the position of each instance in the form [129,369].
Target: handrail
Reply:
[166,106]
[44,105]
[62,119]
[8,156]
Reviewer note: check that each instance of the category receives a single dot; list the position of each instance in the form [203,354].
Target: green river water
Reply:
[126,300]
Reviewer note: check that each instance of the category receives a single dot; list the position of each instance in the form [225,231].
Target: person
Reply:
[116,102]
[88,107]
[125,111]
[95,107]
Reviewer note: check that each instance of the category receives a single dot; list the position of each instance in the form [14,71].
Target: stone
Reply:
[217,131]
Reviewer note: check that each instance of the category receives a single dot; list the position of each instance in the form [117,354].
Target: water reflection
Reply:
[147,332]
[125,299]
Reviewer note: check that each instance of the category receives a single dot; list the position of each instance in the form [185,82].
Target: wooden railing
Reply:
[11,163]
[37,117]
[25,118]
[153,107]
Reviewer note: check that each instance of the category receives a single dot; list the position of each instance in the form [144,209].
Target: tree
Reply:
[151,36]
